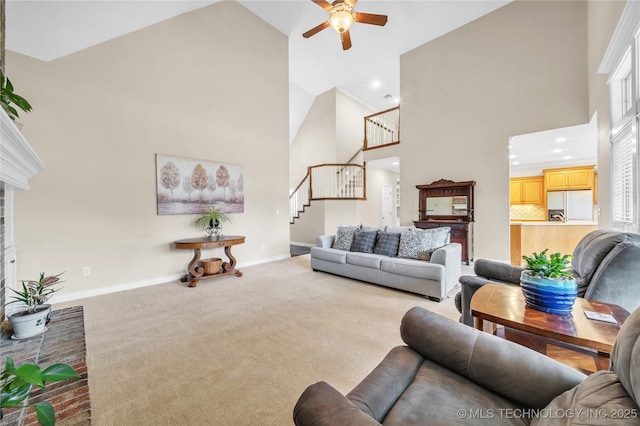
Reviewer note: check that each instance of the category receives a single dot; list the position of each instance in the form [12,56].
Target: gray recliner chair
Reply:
[606,265]
[453,374]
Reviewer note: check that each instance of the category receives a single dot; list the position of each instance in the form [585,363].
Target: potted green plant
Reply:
[212,222]
[547,282]
[17,383]
[8,97]
[33,312]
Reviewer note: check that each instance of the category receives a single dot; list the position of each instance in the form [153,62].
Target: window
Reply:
[624,172]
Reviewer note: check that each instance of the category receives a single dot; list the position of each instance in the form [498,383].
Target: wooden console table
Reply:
[195,272]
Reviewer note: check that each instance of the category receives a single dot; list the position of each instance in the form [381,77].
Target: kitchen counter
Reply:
[559,237]
[554,223]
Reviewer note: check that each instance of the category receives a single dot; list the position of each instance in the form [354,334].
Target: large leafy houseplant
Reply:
[17,383]
[8,97]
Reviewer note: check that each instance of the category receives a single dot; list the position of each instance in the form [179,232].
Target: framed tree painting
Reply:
[191,186]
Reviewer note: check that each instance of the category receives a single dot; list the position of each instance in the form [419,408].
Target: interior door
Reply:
[386,205]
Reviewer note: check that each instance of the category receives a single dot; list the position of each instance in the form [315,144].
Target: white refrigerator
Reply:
[575,205]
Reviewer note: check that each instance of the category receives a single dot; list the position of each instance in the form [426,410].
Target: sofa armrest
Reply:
[506,368]
[497,271]
[469,284]
[320,404]
[450,256]
[325,241]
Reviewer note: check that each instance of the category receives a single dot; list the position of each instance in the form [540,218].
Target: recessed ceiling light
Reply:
[510,147]
[566,157]
[557,151]
[562,139]
[515,163]
[395,163]
[512,156]
[376,83]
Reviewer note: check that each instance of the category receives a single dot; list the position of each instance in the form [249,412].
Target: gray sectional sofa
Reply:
[433,278]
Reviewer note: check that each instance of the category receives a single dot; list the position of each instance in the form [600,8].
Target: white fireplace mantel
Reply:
[18,161]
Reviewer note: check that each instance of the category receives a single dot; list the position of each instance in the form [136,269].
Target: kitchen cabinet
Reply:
[527,190]
[570,178]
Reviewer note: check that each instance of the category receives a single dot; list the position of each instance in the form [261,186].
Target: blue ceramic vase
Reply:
[555,296]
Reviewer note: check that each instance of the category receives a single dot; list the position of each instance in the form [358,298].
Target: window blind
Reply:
[624,169]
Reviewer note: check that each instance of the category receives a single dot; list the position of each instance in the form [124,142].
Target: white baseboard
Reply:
[295,243]
[138,284]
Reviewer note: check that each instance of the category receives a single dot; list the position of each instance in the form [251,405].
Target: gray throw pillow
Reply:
[418,243]
[387,243]
[344,237]
[364,241]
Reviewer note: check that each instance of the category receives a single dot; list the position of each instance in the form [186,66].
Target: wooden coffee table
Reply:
[505,305]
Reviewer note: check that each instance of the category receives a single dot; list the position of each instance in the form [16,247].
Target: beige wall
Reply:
[602,18]
[349,126]
[183,87]
[520,69]
[370,211]
[315,142]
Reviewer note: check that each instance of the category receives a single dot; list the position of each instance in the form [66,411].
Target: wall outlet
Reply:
[86,271]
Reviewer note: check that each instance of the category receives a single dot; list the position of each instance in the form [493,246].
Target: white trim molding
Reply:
[625,31]
[18,161]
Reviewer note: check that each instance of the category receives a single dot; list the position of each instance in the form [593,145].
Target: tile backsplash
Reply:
[527,212]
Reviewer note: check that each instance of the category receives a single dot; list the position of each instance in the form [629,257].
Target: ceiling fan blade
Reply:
[323,4]
[346,40]
[370,18]
[316,29]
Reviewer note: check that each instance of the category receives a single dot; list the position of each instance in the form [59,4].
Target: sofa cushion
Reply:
[399,229]
[387,243]
[413,244]
[413,268]
[329,254]
[439,396]
[364,259]
[364,241]
[600,399]
[344,237]
[589,256]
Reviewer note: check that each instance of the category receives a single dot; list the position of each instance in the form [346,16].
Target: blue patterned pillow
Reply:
[387,243]
[364,241]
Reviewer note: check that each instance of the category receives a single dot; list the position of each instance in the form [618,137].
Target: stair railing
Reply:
[382,129]
[328,182]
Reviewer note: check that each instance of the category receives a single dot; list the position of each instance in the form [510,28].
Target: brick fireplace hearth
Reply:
[62,342]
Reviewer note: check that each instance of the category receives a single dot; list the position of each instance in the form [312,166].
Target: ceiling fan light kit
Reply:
[341,17]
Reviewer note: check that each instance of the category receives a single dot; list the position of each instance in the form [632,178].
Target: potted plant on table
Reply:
[33,313]
[548,284]
[212,222]
[17,383]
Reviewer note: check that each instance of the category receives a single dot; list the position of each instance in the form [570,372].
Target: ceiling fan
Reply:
[341,17]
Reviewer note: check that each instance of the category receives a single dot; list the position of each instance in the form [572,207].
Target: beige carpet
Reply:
[236,351]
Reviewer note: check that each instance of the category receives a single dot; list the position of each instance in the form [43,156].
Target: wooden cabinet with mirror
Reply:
[449,203]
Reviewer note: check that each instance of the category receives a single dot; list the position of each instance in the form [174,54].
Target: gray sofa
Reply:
[606,265]
[453,374]
[433,278]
